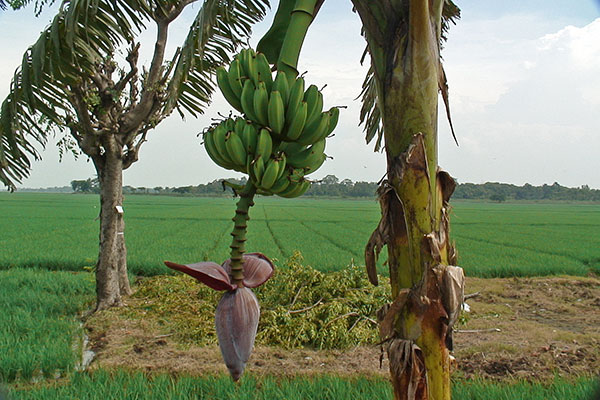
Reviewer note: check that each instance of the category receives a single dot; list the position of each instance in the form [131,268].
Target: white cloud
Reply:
[542,126]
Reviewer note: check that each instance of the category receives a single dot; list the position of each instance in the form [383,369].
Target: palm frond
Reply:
[370,115]
[82,33]
[218,29]
[450,14]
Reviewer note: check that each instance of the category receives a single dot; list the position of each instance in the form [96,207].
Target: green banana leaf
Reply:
[270,44]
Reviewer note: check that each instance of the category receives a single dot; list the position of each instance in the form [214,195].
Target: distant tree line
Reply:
[331,186]
[503,191]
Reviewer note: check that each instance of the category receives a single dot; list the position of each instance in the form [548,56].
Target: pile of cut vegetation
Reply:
[300,307]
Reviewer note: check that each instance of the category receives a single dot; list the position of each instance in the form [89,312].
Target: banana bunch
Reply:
[281,105]
[281,137]
[241,145]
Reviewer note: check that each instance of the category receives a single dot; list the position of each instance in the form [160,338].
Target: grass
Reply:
[38,323]
[59,232]
[124,385]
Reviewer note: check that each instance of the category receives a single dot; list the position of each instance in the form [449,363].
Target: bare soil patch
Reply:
[526,328]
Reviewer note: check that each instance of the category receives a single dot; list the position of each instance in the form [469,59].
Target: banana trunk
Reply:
[416,326]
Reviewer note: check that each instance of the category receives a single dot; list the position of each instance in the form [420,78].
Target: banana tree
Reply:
[70,83]
[278,140]
[400,109]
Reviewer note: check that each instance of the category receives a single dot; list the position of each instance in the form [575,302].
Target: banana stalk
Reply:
[240,220]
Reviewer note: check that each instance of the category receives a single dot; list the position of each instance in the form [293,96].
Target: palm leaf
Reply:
[216,32]
[82,33]
[370,115]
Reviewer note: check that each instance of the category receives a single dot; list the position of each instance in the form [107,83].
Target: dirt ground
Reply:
[525,328]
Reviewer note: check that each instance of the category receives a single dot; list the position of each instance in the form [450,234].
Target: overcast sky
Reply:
[524,81]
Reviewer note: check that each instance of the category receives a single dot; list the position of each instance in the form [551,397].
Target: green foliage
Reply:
[526,192]
[492,239]
[38,325]
[86,186]
[102,384]
[299,307]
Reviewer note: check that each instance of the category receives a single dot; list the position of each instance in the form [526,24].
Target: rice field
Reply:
[39,330]
[44,236]
[60,232]
[122,385]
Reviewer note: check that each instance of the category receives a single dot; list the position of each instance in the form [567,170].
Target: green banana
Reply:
[258,168]
[219,135]
[291,147]
[264,70]
[235,149]
[334,116]
[295,98]
[247,100]
[296,124]
[305,185]
[249,166]
[264,144]
[223,82]
[296,175]
[241,57]
[229,124]
[314,164]
[307,157]
[315,131]
[314,99]
[249,137]
[295,189]
[261,104]
[235,79]
[251,67]
[281,85]
[212,151]
[270,174]
[239,125]
[276,112]
[280,184]
[282,160]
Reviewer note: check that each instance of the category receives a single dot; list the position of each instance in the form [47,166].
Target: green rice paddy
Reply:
[122,385]
[39,329]
[60,232]
[44,236]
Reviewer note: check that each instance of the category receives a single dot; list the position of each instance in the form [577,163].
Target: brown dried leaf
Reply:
[407,363]
[443,87]
[447,184]
[386,323]
[380,235]
[453,292]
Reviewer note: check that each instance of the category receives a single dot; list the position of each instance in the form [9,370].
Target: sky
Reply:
[524,80]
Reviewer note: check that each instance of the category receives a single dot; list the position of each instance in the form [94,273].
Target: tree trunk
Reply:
[111,268]
[426,287]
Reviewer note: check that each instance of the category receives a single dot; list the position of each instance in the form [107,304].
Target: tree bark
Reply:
[111,268]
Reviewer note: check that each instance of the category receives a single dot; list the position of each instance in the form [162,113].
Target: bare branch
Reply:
[81,110]
[132,154]
[142,110]
[132,59]
[477,330]
[469,296]
[350,314]
[307,308]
